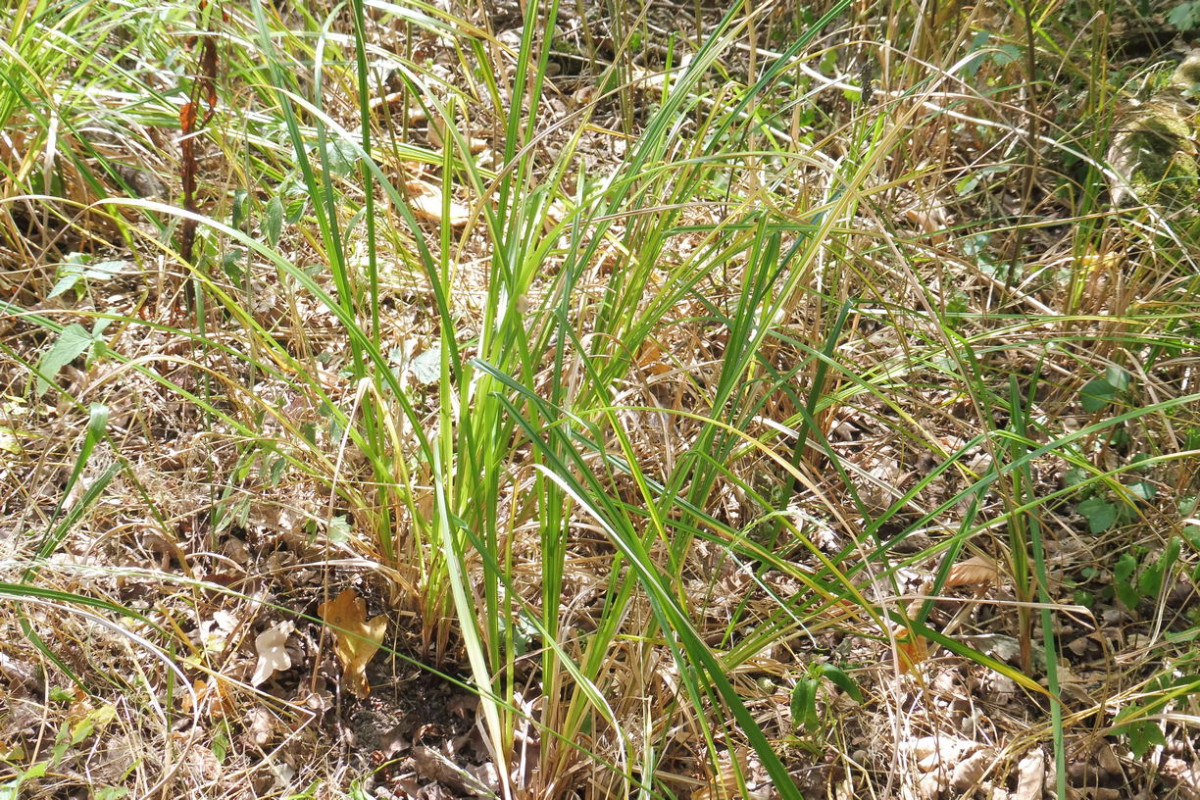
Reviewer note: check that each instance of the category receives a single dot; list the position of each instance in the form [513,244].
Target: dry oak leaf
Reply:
[355,639]
[273,656]
[214,696]
[1031,776]
[976,571]
[911,649]
[426,202]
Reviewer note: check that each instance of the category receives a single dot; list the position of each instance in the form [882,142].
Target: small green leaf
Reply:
[1117,378]
[804,704]
[241,209]
[341,157]
[426,368]
[1096,394]
[1124,568]
[1099,513]
[1192,534]
[77,268]
[1150,581]
[1128,595]
[231,264]
[97,420]
[1185,16]
[967,184]
[1123,577]
[840,679]
[1143,490]
[220,745]
[295,208]
[339,529]
[1170,555]
[107,270]
[278,465]
[971,68]
[1006,54]
[1143,735]
[73,341]
[1074,476]
[273,222]
[9,443]
[67,280]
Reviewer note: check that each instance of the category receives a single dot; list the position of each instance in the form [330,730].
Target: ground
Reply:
[788,402]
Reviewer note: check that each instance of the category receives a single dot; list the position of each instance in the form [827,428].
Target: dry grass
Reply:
[695,433]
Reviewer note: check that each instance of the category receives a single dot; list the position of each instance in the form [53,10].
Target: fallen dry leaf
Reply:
[216,631]
[261,727]
[431,764]
[1031,776]
[930,786]
[726,785]
[932,221]
[426,202]
[977,571]
[970,772]
[651,359]
[273,656]
[911,649]
[355,640]
[216,695]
